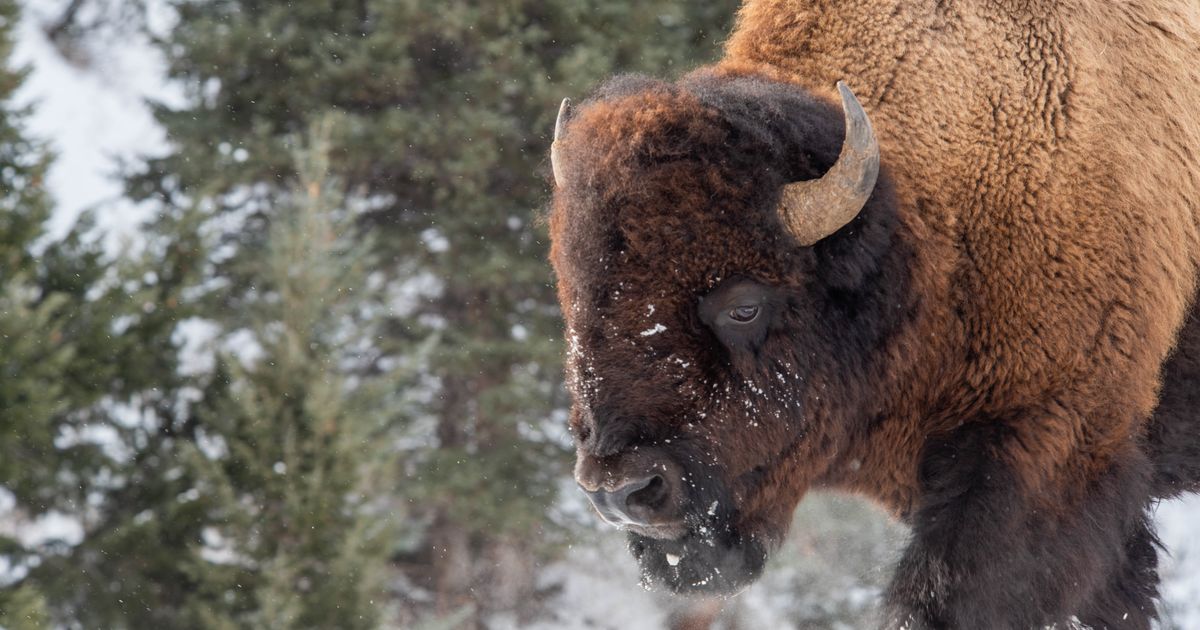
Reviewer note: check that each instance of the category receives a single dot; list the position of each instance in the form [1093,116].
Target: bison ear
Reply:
[556,165]
[813,209]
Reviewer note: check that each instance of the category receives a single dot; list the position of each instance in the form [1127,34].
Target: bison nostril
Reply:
[650,498]
[636,503]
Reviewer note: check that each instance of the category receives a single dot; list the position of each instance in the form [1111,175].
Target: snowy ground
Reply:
[1179,528]
[93,112]
[600,583]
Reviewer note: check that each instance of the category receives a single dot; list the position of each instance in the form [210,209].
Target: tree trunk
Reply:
[512,579]
[452,563]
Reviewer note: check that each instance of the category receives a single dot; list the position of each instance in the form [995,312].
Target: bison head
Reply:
[728,271]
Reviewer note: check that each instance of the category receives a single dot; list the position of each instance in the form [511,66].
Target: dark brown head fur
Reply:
[670,199]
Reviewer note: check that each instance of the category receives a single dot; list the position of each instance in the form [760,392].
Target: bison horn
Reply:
[555,160]
[814,209]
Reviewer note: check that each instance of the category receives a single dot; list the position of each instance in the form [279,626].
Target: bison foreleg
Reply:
[986,555]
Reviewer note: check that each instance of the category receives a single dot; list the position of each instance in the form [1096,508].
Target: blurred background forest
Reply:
[278,341]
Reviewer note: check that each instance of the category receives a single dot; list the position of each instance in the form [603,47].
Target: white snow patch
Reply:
[52,526]
[217,549]
[244,345]
[195,337]
[103,435]
[95,116]
[1178,523]
[653,331]
[434,240]
[405,297]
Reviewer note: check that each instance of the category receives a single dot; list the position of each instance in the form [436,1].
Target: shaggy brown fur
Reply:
[979,351]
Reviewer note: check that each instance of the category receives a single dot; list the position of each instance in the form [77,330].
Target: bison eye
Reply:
[744,314]
[739,311]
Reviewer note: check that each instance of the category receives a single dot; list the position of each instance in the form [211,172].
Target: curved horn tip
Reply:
[858,126]
[850,105]
[845,90]
[814,209]
[555,163]
[563,110]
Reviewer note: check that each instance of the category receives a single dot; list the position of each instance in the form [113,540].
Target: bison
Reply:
[967,297]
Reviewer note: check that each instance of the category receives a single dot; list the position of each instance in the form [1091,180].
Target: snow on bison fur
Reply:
[964,299]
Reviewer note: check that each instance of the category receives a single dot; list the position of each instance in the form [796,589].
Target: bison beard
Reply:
[720,563]
[712,557]
[980,349]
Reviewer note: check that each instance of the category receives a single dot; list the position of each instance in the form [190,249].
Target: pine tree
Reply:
[239,496]
[300,425]
[447,108]
[29,312]
[80,335]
